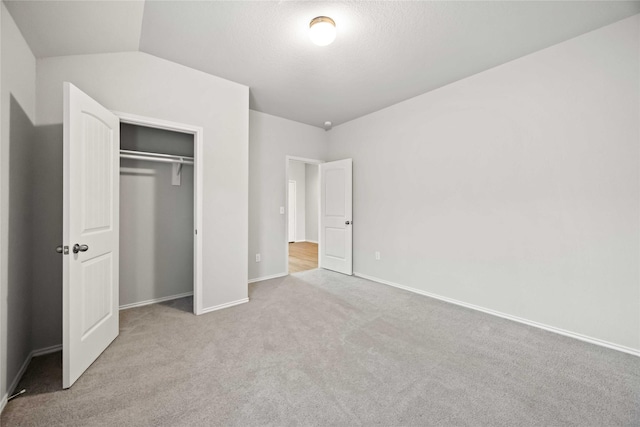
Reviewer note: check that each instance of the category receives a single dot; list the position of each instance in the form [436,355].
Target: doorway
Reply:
[156,215]
[191,179]
[303,200]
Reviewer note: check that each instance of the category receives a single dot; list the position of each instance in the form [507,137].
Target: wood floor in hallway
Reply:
[303,256]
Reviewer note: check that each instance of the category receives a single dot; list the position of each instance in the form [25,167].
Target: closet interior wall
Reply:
[156,218]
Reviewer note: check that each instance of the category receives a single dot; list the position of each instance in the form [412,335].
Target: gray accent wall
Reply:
[17,113]
[156,218]
[515,190]
[20,239]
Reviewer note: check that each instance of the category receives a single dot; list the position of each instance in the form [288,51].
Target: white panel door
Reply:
[336,216]
[90,232]
[291,206]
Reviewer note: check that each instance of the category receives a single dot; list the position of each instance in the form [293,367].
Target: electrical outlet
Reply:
[258,259]
[377,255]
[281,210]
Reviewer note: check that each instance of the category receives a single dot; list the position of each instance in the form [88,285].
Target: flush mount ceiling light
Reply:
[322,30]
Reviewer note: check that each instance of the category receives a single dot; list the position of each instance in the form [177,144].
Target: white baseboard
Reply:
[273,276]
[155,300]
[560,331]
[19,375]
[312,241]
[226,305]
[46,350]
[23,369]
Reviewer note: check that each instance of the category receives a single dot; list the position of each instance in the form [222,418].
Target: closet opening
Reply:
[160,213]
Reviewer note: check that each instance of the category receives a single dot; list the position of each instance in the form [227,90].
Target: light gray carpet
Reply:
[319,348]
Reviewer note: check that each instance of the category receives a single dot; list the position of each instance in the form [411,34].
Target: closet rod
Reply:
[155,157]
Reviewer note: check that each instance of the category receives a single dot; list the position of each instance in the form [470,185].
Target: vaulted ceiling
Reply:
[385,52]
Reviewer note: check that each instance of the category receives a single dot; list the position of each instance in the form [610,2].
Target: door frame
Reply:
[198,145]
[286,194]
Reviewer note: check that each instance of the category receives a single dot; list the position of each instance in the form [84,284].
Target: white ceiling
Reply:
[385,52]
[58,28]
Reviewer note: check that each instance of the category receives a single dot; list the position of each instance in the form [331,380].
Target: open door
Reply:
[90,232]
[336,238]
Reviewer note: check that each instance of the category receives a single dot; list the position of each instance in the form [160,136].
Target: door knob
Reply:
[80,248]
[62,250]
[347,222]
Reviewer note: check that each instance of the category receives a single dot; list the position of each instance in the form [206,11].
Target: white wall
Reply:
[142,84]
[156,218]
[17,112]
[515,190]
[311,202]
[271,139]
[297,174]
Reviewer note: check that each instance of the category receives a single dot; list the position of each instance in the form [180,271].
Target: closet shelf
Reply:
[156,157]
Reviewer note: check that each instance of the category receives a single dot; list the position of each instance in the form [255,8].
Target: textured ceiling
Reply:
[385,52]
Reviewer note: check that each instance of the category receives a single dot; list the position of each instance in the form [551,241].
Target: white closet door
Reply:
[90,231]
[336,238]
